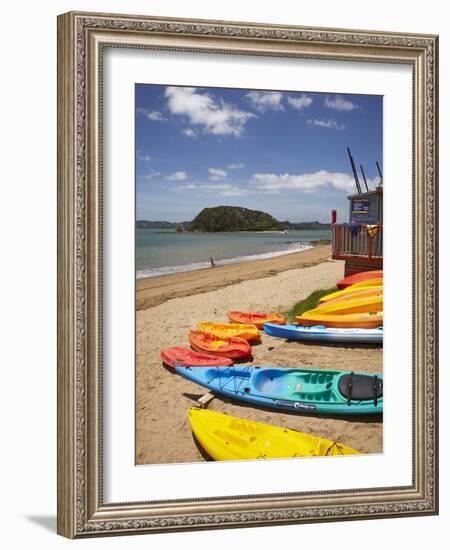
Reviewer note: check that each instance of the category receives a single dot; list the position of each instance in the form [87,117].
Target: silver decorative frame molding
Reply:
[81,38]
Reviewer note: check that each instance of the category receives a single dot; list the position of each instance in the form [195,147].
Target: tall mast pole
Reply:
[355,175]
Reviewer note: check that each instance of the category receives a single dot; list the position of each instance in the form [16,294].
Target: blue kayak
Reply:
[299,390]
[319,333]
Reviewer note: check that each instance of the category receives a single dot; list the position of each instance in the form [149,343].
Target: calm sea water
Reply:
[159,251]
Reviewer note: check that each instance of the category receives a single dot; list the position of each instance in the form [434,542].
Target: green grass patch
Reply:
[308,303]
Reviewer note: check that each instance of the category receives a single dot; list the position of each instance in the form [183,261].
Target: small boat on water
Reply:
[320,333]
[257,319]
[313,391]
[227,330]
[226,437]
[231,348]
[178,356]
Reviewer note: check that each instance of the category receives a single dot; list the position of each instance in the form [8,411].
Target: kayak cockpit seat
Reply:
[361,387]
[268,380]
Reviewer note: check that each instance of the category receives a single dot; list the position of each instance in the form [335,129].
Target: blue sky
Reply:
[280,152]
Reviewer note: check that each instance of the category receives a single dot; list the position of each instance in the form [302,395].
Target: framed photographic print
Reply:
[247,284]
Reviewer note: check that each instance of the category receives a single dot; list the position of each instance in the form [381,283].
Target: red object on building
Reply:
[333,216]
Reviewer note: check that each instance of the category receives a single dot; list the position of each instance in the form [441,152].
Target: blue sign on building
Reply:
[364,210]
[360,206]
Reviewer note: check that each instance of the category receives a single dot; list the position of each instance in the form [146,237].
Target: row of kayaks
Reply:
[360,278]
[226,437]
[357,305]
[298,390]
[215,341]
[352,314]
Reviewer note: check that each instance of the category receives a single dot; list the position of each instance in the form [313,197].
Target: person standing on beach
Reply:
[211,259]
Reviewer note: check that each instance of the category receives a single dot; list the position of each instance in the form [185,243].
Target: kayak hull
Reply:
[231,348]
[229,330]
[319,333]
[354,320]
[359,277]
[352,304]
[349,294]
[185,357]
[311,391]
[257,319]
[226,437]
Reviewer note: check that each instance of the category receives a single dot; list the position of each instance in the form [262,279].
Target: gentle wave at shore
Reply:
[165,270]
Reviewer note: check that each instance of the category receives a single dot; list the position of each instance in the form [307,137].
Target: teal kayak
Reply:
[299,390]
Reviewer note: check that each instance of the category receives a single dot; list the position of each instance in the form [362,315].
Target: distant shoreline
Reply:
[309,226]
[150,273]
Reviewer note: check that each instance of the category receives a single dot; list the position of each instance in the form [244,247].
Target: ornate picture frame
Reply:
[82,38]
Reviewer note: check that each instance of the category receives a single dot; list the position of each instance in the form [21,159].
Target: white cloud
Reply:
[340,104]
[233,192]
[216,187]
[219,189]
[325,124]
[265,101]
[274,183]
[186,186]
[236,166]
[155,115]
[152,175]
[189,132]
[201,109]
[177,176]
[151,115]
[300,103]
[143,157]
[216,174]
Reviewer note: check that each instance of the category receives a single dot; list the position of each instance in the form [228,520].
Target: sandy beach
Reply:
[157,290]
[168,306]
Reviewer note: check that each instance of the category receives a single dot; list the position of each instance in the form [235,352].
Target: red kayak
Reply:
[359,278]
[184,357]
[233,348]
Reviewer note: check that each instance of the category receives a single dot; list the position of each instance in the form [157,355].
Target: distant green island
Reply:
[231,218]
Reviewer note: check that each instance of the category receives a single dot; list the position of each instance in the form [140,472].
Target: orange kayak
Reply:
[352,320]
[185,357]
[359,277]
[232,348]
[257,319]
[228,330]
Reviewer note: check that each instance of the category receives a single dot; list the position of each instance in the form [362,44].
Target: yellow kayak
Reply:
[229,330]
[356,294]
[226,437]
[366,285]
[335,320]
[352,305]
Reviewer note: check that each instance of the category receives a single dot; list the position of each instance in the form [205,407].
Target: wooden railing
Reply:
[359,244]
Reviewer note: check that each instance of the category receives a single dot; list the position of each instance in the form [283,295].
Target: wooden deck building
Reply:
[360,241]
